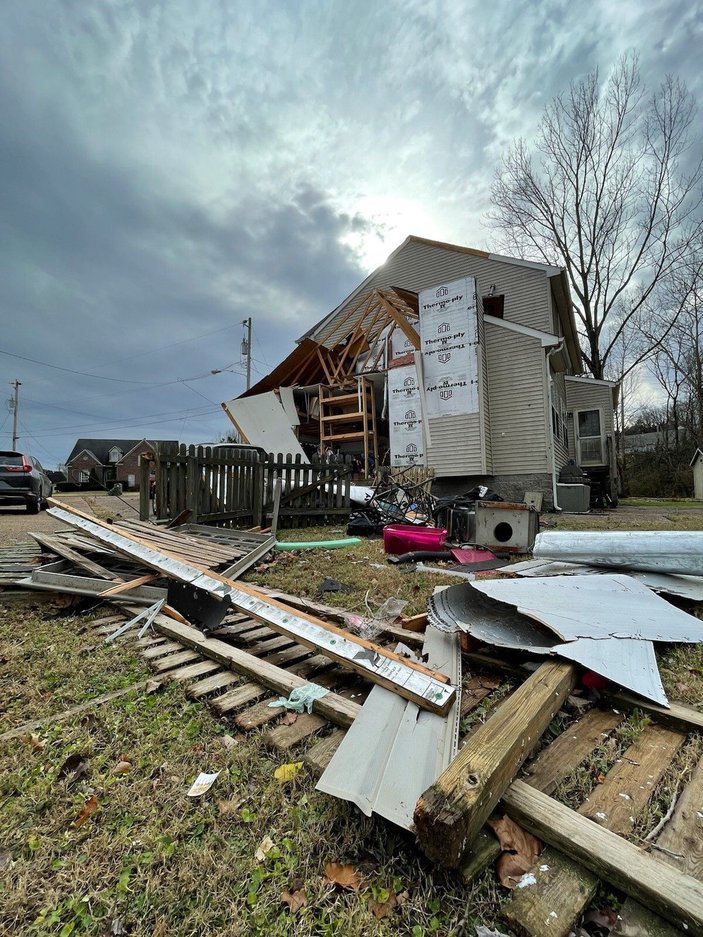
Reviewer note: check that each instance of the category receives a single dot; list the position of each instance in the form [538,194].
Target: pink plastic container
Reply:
[403,538]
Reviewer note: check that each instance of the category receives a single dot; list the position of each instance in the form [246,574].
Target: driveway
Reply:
[16,523]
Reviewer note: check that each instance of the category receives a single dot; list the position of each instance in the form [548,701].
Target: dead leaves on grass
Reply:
[35,740]
[343,876]
[263,849]
[89,808]
[286,773]
[294,899]
[520,851]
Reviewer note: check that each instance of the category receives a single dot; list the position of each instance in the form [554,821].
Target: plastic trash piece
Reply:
[301,698]
[202,784]
[370,628]
[319,544]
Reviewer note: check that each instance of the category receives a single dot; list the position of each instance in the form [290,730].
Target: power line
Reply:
[149,418]
[185,341]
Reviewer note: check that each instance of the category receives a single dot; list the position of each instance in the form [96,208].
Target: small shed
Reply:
[697,466]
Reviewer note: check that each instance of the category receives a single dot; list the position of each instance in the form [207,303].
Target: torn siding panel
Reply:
[517,394]
[393,751]
[418,266]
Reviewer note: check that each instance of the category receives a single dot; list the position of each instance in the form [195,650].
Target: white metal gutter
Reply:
[656,551]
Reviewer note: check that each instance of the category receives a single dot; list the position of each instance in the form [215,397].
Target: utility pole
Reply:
[15,402]
[246,348]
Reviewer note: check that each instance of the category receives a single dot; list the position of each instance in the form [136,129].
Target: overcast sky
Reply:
[171,167]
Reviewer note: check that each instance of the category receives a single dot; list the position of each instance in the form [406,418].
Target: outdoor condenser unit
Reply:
[574,499]
[506,526]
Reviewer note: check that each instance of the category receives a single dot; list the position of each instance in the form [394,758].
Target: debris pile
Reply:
[446,724]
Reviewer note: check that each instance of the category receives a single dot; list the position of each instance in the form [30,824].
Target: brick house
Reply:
[111,460]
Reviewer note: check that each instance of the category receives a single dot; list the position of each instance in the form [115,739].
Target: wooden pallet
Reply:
[563,886]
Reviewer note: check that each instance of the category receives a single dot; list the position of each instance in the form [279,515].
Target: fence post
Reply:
[258,493]
[144,473]
[192,486]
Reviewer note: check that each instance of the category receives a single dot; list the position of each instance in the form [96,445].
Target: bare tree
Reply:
[606,193]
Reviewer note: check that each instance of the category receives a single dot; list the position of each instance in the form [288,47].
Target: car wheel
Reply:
[33,507]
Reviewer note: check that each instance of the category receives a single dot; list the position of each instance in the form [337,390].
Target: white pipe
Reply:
[550,426]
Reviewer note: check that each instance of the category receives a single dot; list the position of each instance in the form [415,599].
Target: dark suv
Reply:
[23,481]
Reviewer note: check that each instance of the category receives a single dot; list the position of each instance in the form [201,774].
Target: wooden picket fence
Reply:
[235,489]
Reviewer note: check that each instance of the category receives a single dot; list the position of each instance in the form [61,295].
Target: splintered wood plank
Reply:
[659,886]
[476,689]
[175,660]
[635,921]
[284,737]
[682,842]
[630,783]
[570,748]
[273,644]
[450,814]
[553,903]
[683,834]
[320,755]
[288,656]
[258,715]
[190,671]
[334,707]
[211,684]
[561,890]
[160,649]
[240,696]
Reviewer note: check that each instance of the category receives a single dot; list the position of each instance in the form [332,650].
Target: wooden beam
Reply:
[402,323]
[428,688]
[129,585]
[676,716]
[333,707]
[60,549]
[450,814]
[664,889]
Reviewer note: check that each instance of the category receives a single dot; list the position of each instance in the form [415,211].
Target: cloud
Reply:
[173,167]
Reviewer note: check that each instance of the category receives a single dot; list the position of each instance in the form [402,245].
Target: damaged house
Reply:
[448,357]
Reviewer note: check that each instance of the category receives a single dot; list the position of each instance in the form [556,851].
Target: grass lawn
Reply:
[87,848]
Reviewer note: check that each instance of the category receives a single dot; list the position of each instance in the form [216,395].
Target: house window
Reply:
[84,478]
[589,432]
[115,454]
[493,306]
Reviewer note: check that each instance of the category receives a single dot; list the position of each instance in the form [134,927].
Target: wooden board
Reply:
[450,814]
[682,842]
[630,783]
[284,737]
[677,897]
[211,684]
[319,756]
[410,679]
[570,748]
[562,890]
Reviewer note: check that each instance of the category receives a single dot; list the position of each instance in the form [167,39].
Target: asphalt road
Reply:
[16,523]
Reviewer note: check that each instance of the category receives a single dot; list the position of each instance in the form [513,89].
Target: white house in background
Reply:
[527,411]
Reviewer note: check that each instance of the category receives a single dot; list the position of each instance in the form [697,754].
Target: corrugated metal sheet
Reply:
[600,607]
[657,551]
[419,265]
[628,662]
[394,751]
[518,404]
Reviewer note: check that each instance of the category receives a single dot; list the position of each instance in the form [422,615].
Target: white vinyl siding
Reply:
[418,266]
[561,448]
[455,447]
[518,403]
[584,395]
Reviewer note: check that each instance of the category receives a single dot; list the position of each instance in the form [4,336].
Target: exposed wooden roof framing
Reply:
[374,314]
